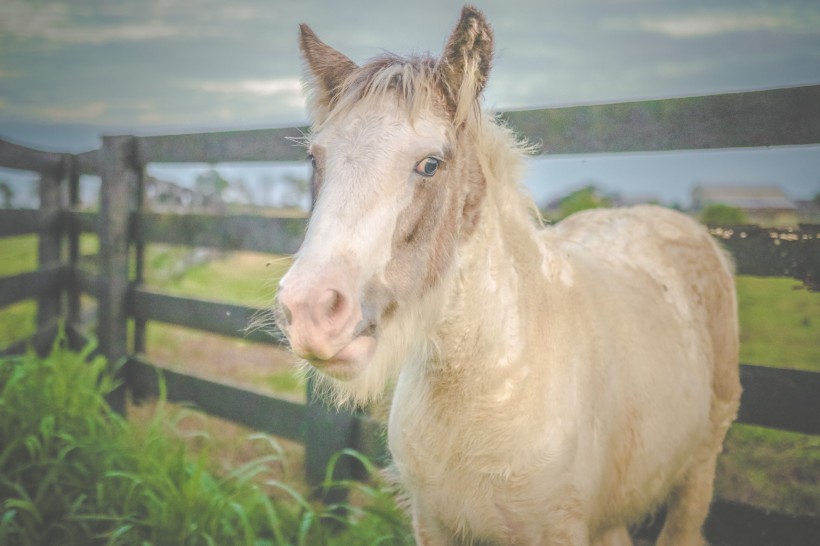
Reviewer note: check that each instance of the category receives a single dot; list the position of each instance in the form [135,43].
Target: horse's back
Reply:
[646,237]
[677,254]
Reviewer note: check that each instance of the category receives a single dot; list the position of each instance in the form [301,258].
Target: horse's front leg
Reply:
[427,530]
[561,523]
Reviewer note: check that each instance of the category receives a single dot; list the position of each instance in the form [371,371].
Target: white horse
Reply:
[552,385]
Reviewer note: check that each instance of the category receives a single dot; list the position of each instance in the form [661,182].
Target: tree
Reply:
[295,190]
[211,184]
[726,215]
[585,198]
[6,195]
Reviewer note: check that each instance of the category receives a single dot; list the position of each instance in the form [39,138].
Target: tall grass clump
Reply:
[72,471]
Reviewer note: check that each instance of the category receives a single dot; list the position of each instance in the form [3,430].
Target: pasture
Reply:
[764,467]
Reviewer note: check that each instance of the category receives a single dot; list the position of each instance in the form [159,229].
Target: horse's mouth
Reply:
[349,361]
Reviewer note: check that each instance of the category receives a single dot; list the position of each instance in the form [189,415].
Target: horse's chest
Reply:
[443,476]
[465,464]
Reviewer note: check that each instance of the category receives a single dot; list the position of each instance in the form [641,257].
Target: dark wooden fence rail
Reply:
[778,398]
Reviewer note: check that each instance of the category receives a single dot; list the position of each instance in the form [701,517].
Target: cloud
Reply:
[54,22]
[87,113]
[259,88]
[697,26]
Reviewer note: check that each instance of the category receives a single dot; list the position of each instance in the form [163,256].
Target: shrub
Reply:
[74,472]
[723,215]
[583,199]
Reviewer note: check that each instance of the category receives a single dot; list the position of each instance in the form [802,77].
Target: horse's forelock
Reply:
[411,80]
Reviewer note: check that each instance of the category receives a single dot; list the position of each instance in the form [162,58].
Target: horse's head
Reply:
[398,189]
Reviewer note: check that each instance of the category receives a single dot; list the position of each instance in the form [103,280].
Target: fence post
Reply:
[328,432]
[119,179]
[73,306]
[140,324]
[48,249]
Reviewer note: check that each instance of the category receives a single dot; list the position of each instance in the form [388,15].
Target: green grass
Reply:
[772,469]
[779,323]
[17,322]
[244,277]
[286,382]
[19,254]
[74,472]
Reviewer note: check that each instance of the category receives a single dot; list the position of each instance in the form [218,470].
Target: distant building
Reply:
[763,204]
[620,200]
[163,196]
[749,198]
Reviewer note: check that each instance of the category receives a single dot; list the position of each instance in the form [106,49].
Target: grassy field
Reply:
[17,255]
[780,326]
[779,323]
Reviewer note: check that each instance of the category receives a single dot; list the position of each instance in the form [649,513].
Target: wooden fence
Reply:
[778,398]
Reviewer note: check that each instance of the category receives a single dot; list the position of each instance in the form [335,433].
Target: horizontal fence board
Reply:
[33,284]
[85,222]
[210,316]
[88,162]
[370,439]
[26,221]
[15,156]
[781,399]
[41,342]
[254,145]
[86,282]
[256,233]
[775,117]
[734,524]
[253,409]
[774,252]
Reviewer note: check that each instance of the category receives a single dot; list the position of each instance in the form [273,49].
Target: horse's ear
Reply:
[326,69]
[465,64]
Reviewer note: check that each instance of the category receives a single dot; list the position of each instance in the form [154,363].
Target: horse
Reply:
[551,384]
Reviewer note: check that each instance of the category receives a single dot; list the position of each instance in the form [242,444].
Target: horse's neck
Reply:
[482,325]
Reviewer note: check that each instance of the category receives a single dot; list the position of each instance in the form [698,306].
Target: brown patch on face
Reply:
[378,301]
[445,209]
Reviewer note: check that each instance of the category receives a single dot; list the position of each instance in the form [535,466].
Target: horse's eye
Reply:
[312,160]
[428,166]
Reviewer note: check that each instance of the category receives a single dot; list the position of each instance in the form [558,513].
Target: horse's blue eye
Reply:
[428,166]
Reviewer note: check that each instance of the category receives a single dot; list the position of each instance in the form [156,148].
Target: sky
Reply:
[73,70]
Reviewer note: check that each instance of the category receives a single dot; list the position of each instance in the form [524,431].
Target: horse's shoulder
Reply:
[641,222]
[651,239]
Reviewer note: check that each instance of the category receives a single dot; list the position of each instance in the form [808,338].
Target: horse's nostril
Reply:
[332,304]
[282,312]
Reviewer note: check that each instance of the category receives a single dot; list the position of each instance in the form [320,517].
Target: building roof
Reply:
[744,197]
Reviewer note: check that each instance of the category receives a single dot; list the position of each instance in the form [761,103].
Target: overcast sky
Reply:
[74,69]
